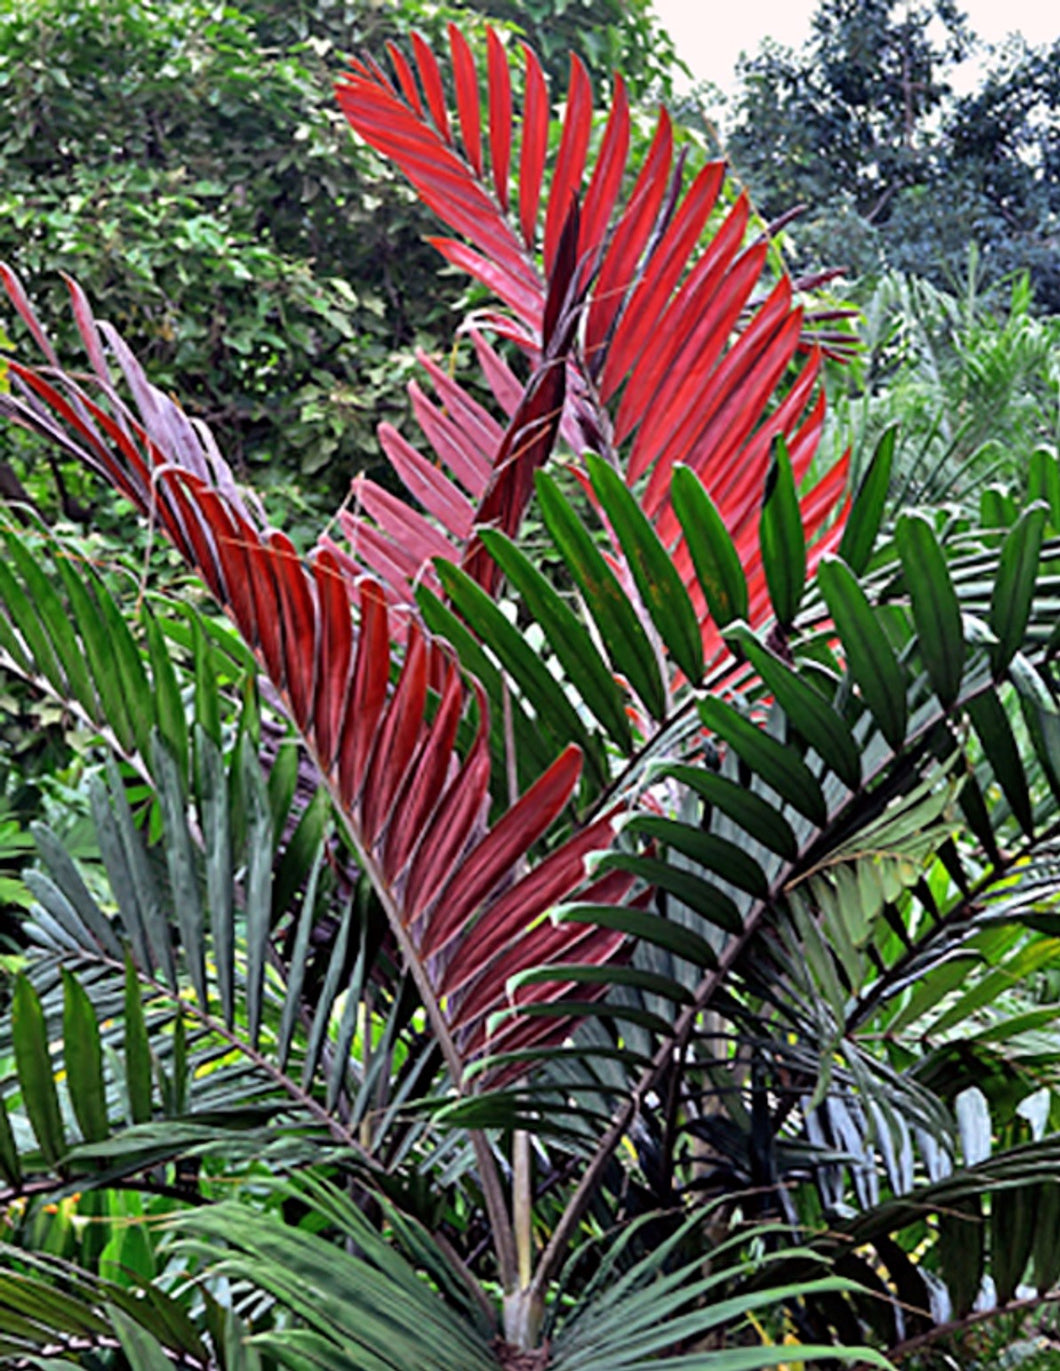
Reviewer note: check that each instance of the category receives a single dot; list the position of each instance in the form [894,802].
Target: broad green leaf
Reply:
[808,711]
[995,733]
[702,896]
[1012,1222]
[55,618]
[123,651]
[936,610]
[714,556]
[86,613]
[1043,482]
[645,926]
[1017,576]
[870,502]
[759,819]
[662,591]
[623,634]
[144,1352]
[36,1078]
[137,1049]
[566,637]
[172,723]
[723,858]
[9,1162]
[84,1060]
[27,621]
[1045,1249]
[282,785]
[869,656]
[780,767]
[782,538]
[961,1249]
[180,860]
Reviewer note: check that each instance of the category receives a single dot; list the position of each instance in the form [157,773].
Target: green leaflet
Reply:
[866,512]
[212,786]
[870,657]
[782,538]
[995,733]
[780,767]
[702,896]
[566,637]
[180,859]
[137,1049]
[172,723]
[661,589]
[644,925]
[1010,603]
[808,711]
[936,610]
[258,881]
[84,1060]
[714,556]
[760,819]
[718,855]
[624,637]
[35,1075]
[9,1163]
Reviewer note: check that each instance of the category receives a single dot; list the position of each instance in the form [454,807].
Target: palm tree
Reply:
[638,949]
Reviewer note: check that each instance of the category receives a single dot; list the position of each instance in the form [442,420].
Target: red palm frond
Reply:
[457,891]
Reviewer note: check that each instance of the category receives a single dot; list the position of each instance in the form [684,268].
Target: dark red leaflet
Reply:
[548,883]
[20,300]
[691,354]
[534,146]
[448,440]
[367,693]
[500,115]
[405,77]
[425,778]
[564,286]
[458,818]
[395,740]
[300,628]
[398,519]
[438,495]
[510,838]
[570,160]
[631,233]
[335,656]
[268,606]
[395,568]
[228,548]
[465,79]
[431,79]
[524,300]
[640,318]
[188,494]
[478,425]
[682,332]
[607,175]
[86,327]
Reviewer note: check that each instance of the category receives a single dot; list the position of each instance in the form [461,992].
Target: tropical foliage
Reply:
[596,911]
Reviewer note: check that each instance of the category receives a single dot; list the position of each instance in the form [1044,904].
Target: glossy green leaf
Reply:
[869,656]
[782,538]
[1012,1222]
[662,591]
[869,504]
[623,634]
[821,726]
[718,855]
[704,897]
[779,766]
[143,1351]
[36,1078]
[759,819]
[125,654]
[137,1049]
[999,743]
[1043,482]
[714,555]
[566,637]
[84,1060]
[936,610]
[55,618]
[1045,1249]
[180,860]
[644,925]
[86,613]
[172,723]
[10,1167]
[1017,577]
[26,620]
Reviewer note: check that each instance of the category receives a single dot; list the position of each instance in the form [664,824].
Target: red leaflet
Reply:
[465,78]
[299,627]
[427,484]
[229,548]
[431,78]
[631,234]
[86,326]
[270,619]
[506,285]
[405,77]
[570,163]
[534,146]
[20,300]
[367,694]
[425,778]
[393,566]
[410,530]
[500,101]
[476,423]
[448,440]
[335,653]
[395,740]
[607,176]
[202,544]
[640,318]
[502,380]
[510,838]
